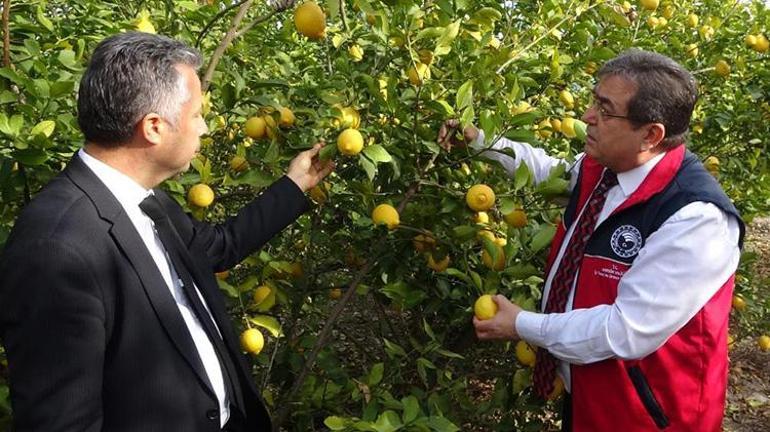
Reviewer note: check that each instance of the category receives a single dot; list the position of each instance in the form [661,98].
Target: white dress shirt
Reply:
[130,194]
[681,266]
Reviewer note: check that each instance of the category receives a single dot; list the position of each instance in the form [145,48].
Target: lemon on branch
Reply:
[385,214]
[252,341]
[287,117]
[525,354]
[255,127]
[350,142]
[480,197]
[438,266]
[200,195]
[310,20]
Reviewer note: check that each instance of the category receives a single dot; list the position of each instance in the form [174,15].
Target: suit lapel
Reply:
[128,240]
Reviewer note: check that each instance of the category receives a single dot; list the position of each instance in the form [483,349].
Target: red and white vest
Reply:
[681,386]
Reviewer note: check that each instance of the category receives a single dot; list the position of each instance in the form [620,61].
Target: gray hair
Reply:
[666,92]
[129,76]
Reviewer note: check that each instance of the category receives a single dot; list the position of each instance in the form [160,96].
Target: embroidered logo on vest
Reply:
[626,241]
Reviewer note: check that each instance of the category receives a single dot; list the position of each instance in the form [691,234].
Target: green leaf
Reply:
[522,177]
[43,20]
[464,232]
[31,157]
[445,41]
[522,379]
[458,274]
[45,127]
[12,76]
[553,187]
[411,408]
[441,424]
[228,289]
[5,127]
[441,107]
[15,123]
[369,167]
[333,8]
[269,323]
[429,33]
[327,152]
[393,349]
[377,153]
[543,237]
[67,59]
[335,423]
[253,177]
[388,422]
[465,95]
[375,375]
[62,88]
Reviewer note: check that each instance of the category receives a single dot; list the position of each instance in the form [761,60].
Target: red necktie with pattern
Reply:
[545,366]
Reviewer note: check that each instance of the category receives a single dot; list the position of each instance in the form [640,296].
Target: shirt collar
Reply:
[630,180]
[127,191]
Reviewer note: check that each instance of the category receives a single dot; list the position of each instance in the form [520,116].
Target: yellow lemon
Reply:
[750,40]
[295,270]
[481,218]
[239,163]
[440,265]
[568,127]
[356,52]
[310,20]
[423,242]
[764,343]
[692,20]
[711,163]
[143,24]
[222,275]
[200,195]
[722,68]
[567,99]
[556,125]
[350,142]
[499,264]
[335,293]
[480,197]
[485,307]
[318,195]
[739,303]
[668,11]
[650,5]
[418,73]
[287,117]
[255,127]
[425,56]
[521,107]
[350,118]
[516,219]
[252,341]
[261,293]
[525,354]
[385,214]
[762,45]
[692,50]
[706,32]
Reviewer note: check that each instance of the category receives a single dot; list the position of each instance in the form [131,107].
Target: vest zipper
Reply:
[648,397]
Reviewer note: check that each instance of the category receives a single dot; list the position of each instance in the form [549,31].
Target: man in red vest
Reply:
[640,275]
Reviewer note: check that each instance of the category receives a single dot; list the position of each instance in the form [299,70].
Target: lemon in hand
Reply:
[485,307]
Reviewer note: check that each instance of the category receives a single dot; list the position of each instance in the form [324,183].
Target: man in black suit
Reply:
[101,331]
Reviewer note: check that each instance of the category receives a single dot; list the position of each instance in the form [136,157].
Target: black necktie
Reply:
[183,264]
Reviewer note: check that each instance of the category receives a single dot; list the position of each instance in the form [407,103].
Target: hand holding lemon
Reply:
[495,318]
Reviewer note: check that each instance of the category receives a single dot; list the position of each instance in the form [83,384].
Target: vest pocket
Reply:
[647,397]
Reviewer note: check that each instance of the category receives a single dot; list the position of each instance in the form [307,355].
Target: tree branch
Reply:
[217,56]
[6,33]
[216,18]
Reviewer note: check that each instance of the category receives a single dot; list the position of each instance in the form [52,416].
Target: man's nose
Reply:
[591,115]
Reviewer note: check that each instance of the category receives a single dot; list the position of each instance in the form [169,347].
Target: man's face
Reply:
[183,140]
[611,138]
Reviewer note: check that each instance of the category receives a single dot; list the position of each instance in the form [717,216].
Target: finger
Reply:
[313,150]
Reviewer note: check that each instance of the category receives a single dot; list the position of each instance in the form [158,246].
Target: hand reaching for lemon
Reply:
[502,325]
[307,170]
[447,135]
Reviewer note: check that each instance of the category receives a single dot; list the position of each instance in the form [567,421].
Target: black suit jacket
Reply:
[94,339]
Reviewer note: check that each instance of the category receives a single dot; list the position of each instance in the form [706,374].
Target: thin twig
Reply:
[211,23]
[6,33]
[217,56]
[344,17]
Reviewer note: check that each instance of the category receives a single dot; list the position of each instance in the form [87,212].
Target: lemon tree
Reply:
[364,315]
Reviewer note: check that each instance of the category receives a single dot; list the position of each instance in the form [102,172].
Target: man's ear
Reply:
[151,127]
[656,132]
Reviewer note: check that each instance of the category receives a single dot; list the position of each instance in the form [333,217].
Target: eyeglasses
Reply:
[603,113]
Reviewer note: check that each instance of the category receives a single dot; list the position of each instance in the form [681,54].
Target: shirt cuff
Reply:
[529,326]
[478,143]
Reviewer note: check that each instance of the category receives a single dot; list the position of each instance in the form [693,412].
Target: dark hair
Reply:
[665,92]
[129,76]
